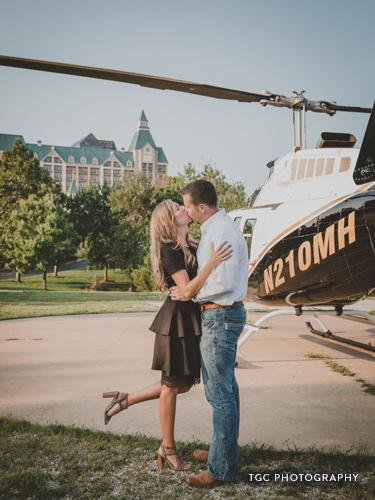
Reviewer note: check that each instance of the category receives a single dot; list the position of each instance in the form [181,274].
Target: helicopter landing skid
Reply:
[349,314]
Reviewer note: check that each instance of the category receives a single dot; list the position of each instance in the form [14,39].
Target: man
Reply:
[223,319]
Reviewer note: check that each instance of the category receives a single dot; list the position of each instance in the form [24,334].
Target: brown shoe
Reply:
[200,456]
[203,480]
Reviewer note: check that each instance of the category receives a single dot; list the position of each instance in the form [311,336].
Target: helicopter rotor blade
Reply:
[157,82]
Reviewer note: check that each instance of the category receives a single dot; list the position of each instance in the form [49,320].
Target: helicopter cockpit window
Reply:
[329,166]
[248,232]
[344,164]
[238,220]
[293,170]
[319,167]
[301,169]
[310,167]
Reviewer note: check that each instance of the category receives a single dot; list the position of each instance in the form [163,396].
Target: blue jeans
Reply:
[221,329]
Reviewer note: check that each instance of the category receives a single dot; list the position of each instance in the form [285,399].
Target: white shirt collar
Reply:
[217,215]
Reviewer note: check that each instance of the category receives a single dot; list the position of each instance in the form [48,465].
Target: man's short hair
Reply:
[201,191]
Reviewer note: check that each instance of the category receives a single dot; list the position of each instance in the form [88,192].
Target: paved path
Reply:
[58,367]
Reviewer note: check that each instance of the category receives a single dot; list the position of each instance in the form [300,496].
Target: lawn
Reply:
[56,461]
[70,293]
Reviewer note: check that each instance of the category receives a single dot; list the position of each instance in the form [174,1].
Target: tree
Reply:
[20,176]
[91,215]
[41,235]
[142,277]
[230,196]
[133,201]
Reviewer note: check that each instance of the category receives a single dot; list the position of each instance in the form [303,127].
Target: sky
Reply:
[323,47]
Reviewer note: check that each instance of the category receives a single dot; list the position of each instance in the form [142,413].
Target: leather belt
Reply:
[212,305]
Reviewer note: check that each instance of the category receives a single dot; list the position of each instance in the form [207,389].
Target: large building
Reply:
[96,161]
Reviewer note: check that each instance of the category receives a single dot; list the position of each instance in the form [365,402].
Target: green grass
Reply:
[342,370]
[70,293]
[56,461]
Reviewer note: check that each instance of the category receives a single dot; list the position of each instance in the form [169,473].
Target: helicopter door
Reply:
[248,230]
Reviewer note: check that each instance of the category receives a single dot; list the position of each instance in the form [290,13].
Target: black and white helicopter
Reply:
[311,229]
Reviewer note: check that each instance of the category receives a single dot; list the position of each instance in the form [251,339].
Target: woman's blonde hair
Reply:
[163,229]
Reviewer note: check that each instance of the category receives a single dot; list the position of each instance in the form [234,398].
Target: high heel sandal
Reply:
[162,458]
[122,402]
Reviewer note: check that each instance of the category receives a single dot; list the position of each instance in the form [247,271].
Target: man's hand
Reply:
[176,293]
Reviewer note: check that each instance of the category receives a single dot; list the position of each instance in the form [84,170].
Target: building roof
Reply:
[91,140]
[72,187]
[142,117]
[161,156]
[89,152]
[140,138]
[7,140]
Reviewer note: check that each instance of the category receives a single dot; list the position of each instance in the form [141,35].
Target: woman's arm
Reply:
[189,288]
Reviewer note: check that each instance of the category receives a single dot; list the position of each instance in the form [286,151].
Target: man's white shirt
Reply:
[228,282]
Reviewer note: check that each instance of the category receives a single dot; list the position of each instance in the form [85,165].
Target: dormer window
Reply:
[129,164]
[71,159]
[83,160]
[94,161]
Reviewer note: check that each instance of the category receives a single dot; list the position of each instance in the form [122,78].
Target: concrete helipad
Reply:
[54,369]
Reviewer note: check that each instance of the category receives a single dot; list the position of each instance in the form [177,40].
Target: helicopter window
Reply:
[319,166]
[301,169]
[344,164]
[310,167]
[329,166]
[248,232]
[237,219]
[294,170]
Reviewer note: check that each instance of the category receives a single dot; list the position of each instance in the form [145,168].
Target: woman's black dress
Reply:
[177,326]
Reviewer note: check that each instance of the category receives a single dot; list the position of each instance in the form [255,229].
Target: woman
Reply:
[177,325]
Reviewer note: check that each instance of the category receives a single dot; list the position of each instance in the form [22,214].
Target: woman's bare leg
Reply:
[167,414]
[146,394]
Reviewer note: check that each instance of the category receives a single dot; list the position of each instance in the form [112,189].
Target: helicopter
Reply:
[311,229]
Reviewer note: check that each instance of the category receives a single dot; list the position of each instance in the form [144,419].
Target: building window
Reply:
[108,163]
[116,172]
[83,160]
[57,160]
[116,164]
[69,173]
[129,164]
[71,159]
[48,159]
[94,161]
